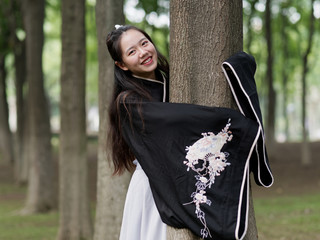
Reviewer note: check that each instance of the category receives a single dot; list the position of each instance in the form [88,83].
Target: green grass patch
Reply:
[288,218]
[14,226]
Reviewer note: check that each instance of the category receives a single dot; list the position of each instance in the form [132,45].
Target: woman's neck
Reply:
[151,76]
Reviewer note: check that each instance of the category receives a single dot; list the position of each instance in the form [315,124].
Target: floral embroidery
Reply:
[206,159]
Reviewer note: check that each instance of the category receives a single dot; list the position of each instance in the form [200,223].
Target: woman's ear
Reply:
[121,65]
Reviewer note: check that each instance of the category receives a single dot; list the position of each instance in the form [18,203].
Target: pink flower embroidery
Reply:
[206,159]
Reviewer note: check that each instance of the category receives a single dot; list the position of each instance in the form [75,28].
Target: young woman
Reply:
[195,159]
[141,74]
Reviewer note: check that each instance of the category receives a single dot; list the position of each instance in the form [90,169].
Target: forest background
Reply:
[290,31]
[286,77]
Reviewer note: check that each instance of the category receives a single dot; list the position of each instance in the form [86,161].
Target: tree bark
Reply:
[306,155]
[40,195]
[203,41]
[199,43]
[111,190]
[75,219]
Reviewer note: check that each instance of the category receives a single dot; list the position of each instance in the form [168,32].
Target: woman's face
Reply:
[138,54]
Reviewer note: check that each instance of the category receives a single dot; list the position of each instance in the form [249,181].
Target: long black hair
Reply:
[125,85]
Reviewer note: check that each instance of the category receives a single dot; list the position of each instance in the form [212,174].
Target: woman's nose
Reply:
[142,52]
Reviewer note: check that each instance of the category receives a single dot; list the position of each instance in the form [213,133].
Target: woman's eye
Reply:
[131,52]
[144,43]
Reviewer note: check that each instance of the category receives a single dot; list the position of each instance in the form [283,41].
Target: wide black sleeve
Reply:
[197,162]
[239,71]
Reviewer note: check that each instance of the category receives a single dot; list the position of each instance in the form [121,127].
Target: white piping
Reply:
[237,101]
[246,177]
[164,88]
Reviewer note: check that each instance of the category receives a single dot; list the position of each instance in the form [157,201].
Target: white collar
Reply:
[148,79]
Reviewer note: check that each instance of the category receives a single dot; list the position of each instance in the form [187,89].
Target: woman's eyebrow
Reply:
[142,39]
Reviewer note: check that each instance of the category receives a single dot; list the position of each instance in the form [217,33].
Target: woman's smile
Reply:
[147,61]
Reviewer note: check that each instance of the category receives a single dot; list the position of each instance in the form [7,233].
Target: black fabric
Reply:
[155,88]
[159,144]
[184,147]
[239,70]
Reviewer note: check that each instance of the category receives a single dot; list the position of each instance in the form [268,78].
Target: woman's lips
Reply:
[147,61]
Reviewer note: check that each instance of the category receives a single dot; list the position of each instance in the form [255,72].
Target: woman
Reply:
[195,158]
[141,73]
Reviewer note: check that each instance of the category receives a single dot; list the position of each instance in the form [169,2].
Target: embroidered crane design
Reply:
[206,159]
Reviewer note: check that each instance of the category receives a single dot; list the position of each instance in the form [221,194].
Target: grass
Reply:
[288,218]
[16,227]
[278,218]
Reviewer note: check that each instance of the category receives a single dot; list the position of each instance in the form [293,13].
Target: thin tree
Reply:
[203,41]
[249,27]
[111,190]
[74,207]
[6,143]
[14,18]
[21,162]
[285,72]
[306,158]
[271,106]
[40,195]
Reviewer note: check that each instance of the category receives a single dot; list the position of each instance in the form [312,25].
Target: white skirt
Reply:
[141,219]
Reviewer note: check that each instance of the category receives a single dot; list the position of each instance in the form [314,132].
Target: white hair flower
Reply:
[118,26]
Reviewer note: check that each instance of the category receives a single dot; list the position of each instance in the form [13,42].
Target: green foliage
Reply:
[290,28]
[92,55]
[10,24]
[52,56]
[158,6]
[4,32]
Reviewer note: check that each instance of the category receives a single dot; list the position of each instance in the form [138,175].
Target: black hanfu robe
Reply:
[198,158]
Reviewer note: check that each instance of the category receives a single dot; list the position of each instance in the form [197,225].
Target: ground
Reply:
[288,210]
[291,177]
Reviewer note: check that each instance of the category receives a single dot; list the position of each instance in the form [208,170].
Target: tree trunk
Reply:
[40,195]
[111,190]
[249,28]
[6,143]
[6,149]
[271,109]
[285,72]
[203,41]
[21,161]
[14,18]
[306,155]
[74,206]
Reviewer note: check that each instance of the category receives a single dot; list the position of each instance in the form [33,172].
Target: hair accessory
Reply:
[118,26]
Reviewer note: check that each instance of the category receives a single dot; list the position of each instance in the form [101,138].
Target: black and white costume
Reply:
[198,158]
